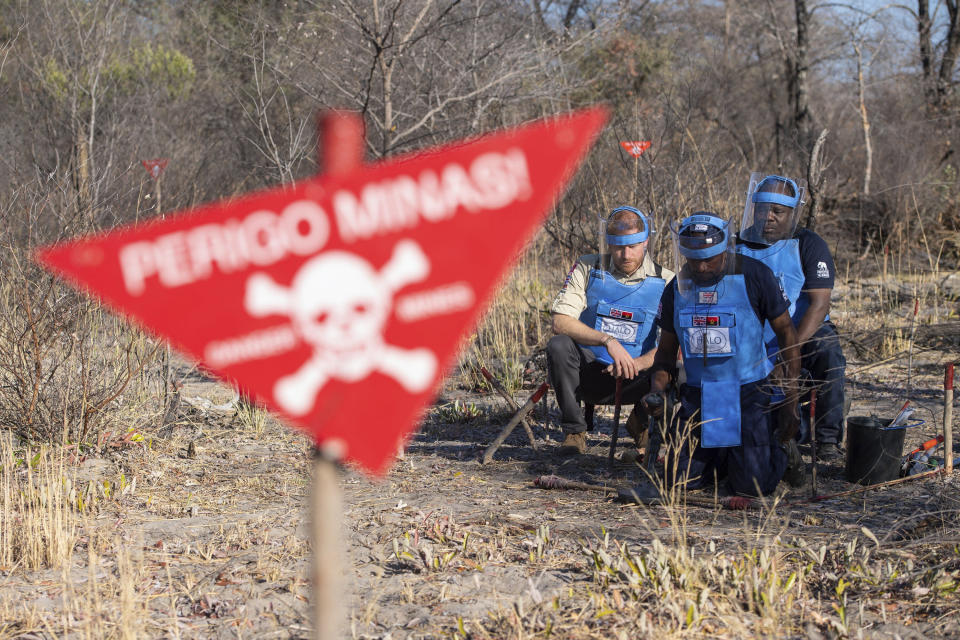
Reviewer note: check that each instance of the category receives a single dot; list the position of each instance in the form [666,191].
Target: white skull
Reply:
[339,302]
[339,305]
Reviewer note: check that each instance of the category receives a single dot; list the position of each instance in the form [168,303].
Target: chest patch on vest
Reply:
[707,297]
[622,330]
[717,340]
[706,321]
[620,313]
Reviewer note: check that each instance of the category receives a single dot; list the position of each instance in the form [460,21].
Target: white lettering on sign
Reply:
[442,300]
[259,344]
[260,239]
[493,181]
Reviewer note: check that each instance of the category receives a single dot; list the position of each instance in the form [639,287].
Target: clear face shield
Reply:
[703,254]
[772,208]
[623,239]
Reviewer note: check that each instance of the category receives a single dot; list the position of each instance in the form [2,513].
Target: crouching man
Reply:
[714,312]
[605,321]
[804,266]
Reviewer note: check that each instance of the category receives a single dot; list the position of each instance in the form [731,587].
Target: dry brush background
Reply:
[126,517]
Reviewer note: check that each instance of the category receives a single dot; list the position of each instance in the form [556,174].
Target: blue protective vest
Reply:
[783,258]
[625,311]
[722,318]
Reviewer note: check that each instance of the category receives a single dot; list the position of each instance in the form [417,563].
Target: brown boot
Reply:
[573,444]
[637,427]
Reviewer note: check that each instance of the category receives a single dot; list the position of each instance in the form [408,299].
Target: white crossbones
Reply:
[338,304]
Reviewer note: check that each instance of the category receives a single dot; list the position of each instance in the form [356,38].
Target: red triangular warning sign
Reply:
[155,167]
[636,148]
[340,301]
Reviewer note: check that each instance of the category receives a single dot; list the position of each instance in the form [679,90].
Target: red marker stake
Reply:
[948,418]
[499,388]
[514,421]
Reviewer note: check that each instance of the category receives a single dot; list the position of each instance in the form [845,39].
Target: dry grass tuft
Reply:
[38,508]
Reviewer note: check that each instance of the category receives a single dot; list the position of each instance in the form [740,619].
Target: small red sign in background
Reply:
[636,148]
[340,301]
[155,167]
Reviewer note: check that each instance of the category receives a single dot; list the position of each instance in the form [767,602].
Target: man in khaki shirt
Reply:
[604,318]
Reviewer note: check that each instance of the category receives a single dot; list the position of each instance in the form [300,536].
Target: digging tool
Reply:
[901,418]
[514,421]
[556,482]
[510,402]
[813,443]
[616,421]
[929,444]
[948,418]
[925,449]
[879,485]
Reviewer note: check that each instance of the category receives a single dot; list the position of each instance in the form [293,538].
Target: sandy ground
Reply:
[442,547]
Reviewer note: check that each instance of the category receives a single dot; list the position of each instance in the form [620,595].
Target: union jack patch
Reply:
[706,321]
[618,313]
[707,297]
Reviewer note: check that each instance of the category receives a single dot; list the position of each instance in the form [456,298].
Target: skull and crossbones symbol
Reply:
[338,304]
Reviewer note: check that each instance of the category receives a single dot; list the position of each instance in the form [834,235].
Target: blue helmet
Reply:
[702,235]
[630,238]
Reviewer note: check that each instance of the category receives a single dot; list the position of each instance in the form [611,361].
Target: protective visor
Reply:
[772,197]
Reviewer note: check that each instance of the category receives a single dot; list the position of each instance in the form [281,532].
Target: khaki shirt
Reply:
[572,299]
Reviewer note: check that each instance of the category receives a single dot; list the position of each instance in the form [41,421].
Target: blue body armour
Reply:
[783,258]
[730,332]
[626,312]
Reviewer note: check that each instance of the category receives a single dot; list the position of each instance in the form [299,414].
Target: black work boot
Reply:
[828,451]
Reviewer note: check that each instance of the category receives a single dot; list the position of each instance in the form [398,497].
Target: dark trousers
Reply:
[822,356]
[756,466]
[576,374]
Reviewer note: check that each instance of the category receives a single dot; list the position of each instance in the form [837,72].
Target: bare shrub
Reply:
[69,369]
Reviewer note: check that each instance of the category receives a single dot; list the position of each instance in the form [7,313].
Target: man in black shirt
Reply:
[714,313]
[803,264]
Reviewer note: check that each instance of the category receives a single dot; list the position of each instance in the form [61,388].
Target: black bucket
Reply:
[873,452]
